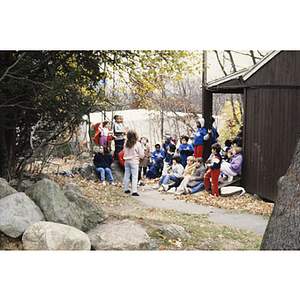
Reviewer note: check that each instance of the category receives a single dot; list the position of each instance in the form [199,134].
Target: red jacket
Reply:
[98,134]
[121,158]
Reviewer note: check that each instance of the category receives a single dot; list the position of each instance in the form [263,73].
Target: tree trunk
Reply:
[283,229]
[3,154]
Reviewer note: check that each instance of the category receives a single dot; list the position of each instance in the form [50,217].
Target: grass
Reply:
[205,235]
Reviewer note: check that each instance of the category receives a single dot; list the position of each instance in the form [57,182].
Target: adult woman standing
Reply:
[133,151]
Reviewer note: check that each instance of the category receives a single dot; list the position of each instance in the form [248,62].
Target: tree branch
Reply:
[9,68]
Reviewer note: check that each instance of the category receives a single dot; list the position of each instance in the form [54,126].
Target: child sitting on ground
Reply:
[235,166]
[102,161]
[156,162]
[168,160]
[195,182]
[214,171]
[225,150]
[177,171]
[188,170]
[185,149]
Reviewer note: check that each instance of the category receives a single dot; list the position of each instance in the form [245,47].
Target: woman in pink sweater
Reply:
[133,151]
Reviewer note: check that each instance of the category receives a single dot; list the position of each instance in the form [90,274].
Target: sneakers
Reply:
[179,192]
[160,189]
[230,178]
[224,179]
[127,192]
[112,183]
[165,187]
[172,190]
[135,194]
[157,186]
[187,190]
[104,183]
[141,183]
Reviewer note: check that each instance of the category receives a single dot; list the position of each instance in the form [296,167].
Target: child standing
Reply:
[200,136]
[143,164]
[133,151]
[106,134]
[102,161]
[119,132]
[185,149]
[214,171]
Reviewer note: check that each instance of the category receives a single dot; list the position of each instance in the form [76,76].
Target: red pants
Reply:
[214,175]
[198,151]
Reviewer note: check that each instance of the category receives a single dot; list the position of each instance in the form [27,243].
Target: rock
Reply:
[72,187]
[88,171]
[40,176]
[54,204]
[5,188]
[54,236]
[117,171]
[18,212]
[95,149]
[92,213]
[24,185]
[120,235]
[174,231]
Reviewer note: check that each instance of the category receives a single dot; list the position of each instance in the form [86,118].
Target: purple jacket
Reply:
[236,163]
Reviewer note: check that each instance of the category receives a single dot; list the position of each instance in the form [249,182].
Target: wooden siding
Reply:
[282,70]
[271,120]
[272,124]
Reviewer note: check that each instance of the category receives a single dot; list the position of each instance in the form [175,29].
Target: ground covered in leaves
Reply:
[205,235]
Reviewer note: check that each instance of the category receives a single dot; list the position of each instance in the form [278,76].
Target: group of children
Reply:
[194,174]
[185,168]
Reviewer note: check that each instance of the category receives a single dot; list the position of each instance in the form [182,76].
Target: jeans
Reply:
[119,144]
[102,174]
[197,187]
[166,178]
[131,169]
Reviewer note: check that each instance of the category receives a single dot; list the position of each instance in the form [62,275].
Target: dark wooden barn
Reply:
[271,95]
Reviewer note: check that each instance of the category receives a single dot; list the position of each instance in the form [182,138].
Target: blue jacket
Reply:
[215,134]
[199,136]
[216,162]
[102,161]
[155,155]
[185,151]
[169,156]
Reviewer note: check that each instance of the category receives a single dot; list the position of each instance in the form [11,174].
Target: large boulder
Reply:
[54,204]
[5,188]
[174,231]
[117,171]
[25,184]
[87,171]
[40,176]
[120,235]
[54,236]
[18,212]
[92,213]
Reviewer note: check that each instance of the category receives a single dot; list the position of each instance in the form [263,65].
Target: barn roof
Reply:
[244,74]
